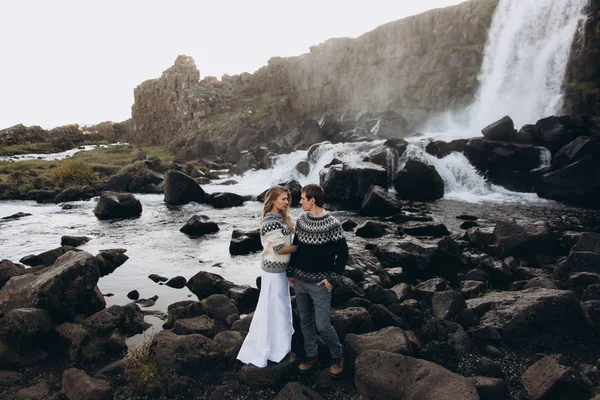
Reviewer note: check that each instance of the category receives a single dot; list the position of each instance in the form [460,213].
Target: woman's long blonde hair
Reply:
[273,194]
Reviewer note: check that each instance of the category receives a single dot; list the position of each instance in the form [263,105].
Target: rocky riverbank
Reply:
[487,308]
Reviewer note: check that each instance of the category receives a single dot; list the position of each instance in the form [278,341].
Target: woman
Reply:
[270,335]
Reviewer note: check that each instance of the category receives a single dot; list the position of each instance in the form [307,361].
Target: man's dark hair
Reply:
[314,191]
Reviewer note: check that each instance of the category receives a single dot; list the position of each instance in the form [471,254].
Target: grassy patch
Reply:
[70,172]
[143,372]
[17,149]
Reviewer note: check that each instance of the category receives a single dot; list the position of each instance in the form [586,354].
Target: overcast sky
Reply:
[78,61]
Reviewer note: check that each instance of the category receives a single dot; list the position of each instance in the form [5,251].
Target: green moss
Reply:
[91,351]
[590,87]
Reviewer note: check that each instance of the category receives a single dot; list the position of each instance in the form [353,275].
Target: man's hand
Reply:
[326,283]
[291,281]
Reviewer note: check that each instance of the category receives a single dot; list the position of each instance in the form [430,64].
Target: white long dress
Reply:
[270,335]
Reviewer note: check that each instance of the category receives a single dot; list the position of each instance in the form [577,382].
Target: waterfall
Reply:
[525,59]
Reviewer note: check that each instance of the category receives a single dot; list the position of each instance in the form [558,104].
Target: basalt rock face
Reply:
[582,80]
[418,66]
[63,137]
[176,101]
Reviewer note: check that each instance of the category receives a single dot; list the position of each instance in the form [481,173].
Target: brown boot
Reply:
[307,365]
[337,367]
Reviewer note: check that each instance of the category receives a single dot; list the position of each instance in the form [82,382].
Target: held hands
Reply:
[291,281]
[326,283]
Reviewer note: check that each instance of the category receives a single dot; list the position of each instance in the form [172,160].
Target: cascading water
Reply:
[522,73]
[525,59]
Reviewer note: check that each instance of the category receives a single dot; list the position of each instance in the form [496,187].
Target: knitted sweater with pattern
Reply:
[322,249]
[274,236]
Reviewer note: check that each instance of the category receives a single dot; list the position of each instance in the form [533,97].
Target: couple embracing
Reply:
[312,261]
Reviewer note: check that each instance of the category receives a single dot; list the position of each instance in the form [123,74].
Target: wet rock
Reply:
[109,260]
[351,320]
[581,147]
[8,269]
[63,289]
[441,149]
[379,295]
[199,225]
[16,216]
[244,297]
[46,258]
[182,189]
[115,205]
[348,225]
[243,324]
[73,194]
[523,238]
[77,385]
[402,290]
[372,229]
[72,338]
[294,187]
[204,284]
[133,295]
[303,167]
[177,282]
[149,302]
[381,374]
[157,278]
[379,202]
[225,200]
[245,242]
[348,183]
[502,130]
[429,287]
[577,183]
[419,181]
[424,229]
[127,319]
[529,312]
[359,302]
[297,391]
[549,377]
[270,375]
[73,241]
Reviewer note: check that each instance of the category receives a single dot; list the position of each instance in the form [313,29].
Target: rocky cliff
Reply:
[582,82]
[418,66]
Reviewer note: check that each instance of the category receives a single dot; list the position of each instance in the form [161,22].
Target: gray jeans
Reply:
[314,306]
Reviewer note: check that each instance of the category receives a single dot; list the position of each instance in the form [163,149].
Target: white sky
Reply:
[78,61]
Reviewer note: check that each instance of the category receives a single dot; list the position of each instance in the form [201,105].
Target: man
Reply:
[314,269]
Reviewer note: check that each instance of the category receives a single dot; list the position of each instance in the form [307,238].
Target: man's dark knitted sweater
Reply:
[322,249]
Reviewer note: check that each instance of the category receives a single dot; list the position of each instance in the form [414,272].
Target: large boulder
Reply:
[109,260]
[271,374]
[77,385]
[204,284]
[225,200]
[577,183]
[378,202]
[113,205]
[554,133]
[348,183]
[133,183]
[182,189]
[181,358]
[441,149]
[26,327]
[245,242]
[64,289]
[419,181]
[583,146]
[385,375]
[502,130]
[529,313]
[391,339]
[294,187]
[551,378]
[199,225]
[584,256]
[8,269]
[492,156]
[523,238]
[46,258]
